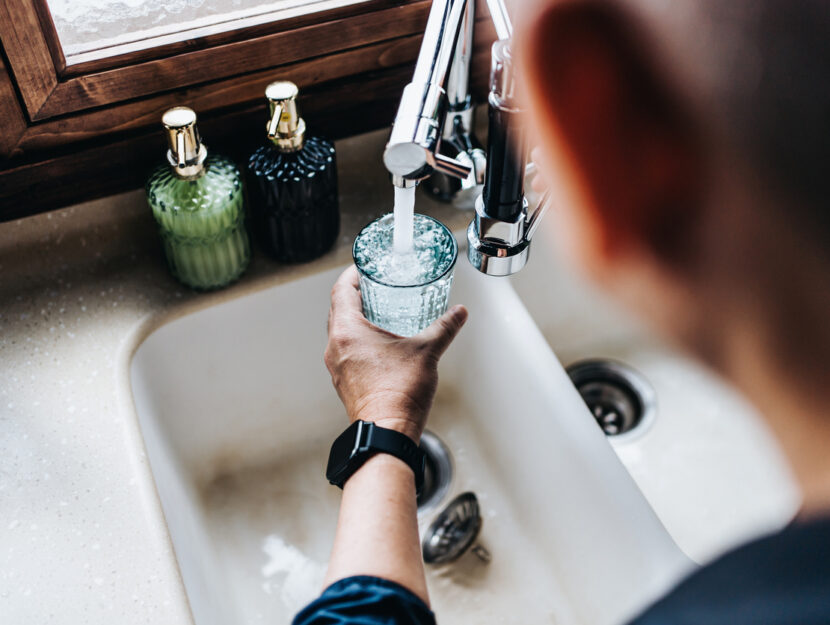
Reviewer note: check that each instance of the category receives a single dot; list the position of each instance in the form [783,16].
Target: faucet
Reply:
[431,137]
[457,138]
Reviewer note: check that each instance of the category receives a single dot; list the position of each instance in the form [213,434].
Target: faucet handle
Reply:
[451,166]
[534,220]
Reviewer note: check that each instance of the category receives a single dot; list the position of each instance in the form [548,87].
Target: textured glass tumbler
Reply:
[405,304]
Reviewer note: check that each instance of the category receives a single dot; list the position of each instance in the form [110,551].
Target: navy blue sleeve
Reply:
[366,600]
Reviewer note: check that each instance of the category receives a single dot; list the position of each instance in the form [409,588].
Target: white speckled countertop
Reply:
[82,534]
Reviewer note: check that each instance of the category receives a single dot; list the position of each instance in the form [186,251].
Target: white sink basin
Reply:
[708,466]
[237,411]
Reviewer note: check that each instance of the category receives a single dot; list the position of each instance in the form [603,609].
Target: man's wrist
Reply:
[402,425]
[393,411]
[393,420]
[381,466]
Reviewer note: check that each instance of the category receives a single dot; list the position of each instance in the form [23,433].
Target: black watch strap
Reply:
[364,439]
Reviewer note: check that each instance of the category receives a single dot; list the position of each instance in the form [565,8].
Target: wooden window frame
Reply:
[72,133]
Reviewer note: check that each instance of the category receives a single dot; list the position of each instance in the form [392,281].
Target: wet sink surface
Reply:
[238,412]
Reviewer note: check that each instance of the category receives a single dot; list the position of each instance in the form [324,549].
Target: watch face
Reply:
[342,448]
[341,453]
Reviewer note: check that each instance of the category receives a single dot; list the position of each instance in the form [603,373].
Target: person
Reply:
[687,143]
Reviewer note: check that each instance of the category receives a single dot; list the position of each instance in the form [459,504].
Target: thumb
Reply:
[444,329]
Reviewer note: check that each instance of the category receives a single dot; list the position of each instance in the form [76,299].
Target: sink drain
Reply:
[621,399]
[437,471]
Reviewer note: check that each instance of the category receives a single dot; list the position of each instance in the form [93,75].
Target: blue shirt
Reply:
[366,601]
[782,579]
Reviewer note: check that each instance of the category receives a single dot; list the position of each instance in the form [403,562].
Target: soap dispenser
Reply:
[198,201]
[292,184]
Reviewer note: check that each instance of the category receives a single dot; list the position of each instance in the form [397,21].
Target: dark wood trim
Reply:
[28,53]
[12,120]
[46,96]
[232,92]
[145,113]
[50,35]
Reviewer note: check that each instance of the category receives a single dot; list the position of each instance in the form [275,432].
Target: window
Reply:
[94,29]
[80,102]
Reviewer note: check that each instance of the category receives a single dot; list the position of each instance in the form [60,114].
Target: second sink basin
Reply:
[237,412]
[707,463]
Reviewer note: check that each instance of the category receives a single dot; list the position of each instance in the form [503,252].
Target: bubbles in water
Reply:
[302,576]
[431,256]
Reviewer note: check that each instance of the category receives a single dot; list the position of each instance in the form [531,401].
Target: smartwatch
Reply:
[364,439]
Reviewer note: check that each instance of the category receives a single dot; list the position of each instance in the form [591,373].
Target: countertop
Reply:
[82,533]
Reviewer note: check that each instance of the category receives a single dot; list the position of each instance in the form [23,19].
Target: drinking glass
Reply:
[405,293]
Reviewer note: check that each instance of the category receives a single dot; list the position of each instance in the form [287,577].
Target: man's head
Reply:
[687,144]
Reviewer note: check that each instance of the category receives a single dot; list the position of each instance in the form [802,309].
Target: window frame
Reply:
[98,121]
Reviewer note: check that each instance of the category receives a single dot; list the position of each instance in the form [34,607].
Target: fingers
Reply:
[345,295]
[442,332]
[346,305]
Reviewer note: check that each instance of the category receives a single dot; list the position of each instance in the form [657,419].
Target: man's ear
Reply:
[605,110]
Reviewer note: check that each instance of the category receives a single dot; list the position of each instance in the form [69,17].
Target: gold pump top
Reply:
[186,153]
[286,129]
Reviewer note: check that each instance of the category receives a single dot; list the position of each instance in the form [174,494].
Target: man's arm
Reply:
[377,532]
[391,381]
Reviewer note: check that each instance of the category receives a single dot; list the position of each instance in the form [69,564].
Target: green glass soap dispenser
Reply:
[198,202]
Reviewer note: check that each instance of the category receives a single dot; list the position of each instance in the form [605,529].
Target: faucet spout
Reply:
[412,151]
[457,139]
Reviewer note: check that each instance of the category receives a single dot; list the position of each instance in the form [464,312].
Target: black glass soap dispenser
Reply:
[292,184]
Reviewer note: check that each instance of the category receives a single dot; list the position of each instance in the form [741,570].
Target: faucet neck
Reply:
[507,145]
[503,192]
[412,150]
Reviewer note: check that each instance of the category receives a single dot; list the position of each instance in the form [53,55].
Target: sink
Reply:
[707,464]
[237,412]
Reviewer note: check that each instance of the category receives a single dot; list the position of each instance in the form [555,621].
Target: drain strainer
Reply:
[454,532]
[620,399]
[437,471]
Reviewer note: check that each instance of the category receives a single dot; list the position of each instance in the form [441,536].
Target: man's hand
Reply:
[380,376]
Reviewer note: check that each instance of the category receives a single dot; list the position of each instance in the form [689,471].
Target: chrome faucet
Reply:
[457,138]
[412,153]
[432,139]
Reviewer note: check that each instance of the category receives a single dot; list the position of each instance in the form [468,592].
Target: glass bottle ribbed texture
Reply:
[202,223]
[293,200]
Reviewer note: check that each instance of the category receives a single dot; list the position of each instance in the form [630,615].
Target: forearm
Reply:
[377,531]
[388,380]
